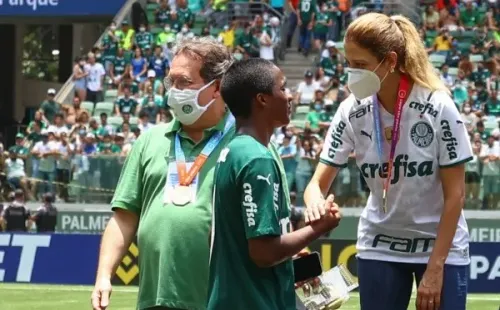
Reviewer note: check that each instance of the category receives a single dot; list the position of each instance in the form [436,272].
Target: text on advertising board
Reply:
[59,7]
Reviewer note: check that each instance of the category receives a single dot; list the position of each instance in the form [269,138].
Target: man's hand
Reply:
[101,294]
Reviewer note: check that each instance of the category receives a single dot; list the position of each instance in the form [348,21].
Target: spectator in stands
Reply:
[227,36]
[306,89]
[492,105]
[15,172]
[266,44]
[293,20]
[117,68]
[465,65]
[80,78]
[315,108]
[186,17]
[154,83]
[143,38]
[247,43]
[49,106]
[139,67]
[306,19]
[63,165]
[469,16]
[175,24]
[73,112]
[19,149]
[430,18]
[162,14]
[37,118]
[288,154]
[47,151]
[126,103]
[329,58]
[144,124]
[445,77]
[473,177]
[95,79]
[59,126]
[159,64]
[306,163]
[104,127]
[129,82]
[128,35]
[469,118]
[490,157]
[443,42]
[320,78]
[110,44]
[322,23]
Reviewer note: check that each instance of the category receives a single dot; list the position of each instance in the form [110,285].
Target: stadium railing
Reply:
[88,183]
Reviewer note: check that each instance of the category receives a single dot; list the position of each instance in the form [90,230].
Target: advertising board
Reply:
[72,259]
[41,8]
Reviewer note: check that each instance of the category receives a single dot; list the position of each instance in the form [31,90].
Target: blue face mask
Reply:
[317,107]
[474,97]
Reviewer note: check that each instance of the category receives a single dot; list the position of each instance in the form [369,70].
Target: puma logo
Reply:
[259,177]
[364,133]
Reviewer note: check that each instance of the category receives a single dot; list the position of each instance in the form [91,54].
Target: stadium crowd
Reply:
[76,151]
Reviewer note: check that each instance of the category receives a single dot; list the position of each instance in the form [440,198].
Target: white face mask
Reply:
[184,30]
[113,28]
[364,83]
[142,29]
[184,104]
[167,29]
[467,110]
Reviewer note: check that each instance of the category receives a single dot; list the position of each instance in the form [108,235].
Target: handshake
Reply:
[323,214]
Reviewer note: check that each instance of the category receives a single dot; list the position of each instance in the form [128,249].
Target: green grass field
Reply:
[59,297]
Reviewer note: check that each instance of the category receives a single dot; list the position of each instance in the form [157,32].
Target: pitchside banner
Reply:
[481,230]
[44,8]
[72,259]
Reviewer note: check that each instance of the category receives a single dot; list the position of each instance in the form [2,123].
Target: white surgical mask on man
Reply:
[184,30]
[364,83]
[142,29]
[184,104]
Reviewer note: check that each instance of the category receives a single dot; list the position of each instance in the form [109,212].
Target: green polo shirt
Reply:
[173,241]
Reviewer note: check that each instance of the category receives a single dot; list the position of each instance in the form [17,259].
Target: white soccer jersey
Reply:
[432,135]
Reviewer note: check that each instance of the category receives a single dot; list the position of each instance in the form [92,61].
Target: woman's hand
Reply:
[429,290]
[318,209]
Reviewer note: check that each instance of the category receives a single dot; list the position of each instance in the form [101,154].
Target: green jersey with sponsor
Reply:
[329,65]
[322,19]
[185,16]
[119,64]
[143,39]
[111,46]
[126,105]
[19,150]
[249,202]
[306,10]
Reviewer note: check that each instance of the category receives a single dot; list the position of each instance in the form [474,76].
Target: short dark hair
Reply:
[243,81]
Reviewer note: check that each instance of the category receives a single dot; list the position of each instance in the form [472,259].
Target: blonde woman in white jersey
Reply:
[410,146]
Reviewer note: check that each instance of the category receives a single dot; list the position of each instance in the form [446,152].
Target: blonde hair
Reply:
[381,34]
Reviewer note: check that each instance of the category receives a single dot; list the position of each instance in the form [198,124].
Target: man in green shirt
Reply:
[117,67]
[126,103]
[110,44]
[49,107]
[251,240]
[321,25]
[143,38]
[186,17]
[492,105]
[469,17]
[306,16]
[19,148]
[171,217]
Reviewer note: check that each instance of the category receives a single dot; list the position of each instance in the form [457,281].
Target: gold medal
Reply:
[181,195]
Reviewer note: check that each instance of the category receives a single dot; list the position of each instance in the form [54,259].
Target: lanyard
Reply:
[186,177]
[402,91]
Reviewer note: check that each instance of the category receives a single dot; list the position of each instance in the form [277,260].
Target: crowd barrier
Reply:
[72,259]
[94,179]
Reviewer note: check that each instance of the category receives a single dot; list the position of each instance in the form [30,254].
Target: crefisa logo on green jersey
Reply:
[251,207]
[402,168]
[336,136]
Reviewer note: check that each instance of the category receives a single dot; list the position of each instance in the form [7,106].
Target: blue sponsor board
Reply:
[72,259]
[40,8]
[50,259]
[485,267]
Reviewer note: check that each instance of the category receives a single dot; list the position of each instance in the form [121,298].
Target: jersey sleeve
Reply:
[453,139]
[339,142]
[260,187]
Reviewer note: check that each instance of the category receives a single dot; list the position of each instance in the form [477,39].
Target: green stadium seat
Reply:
[431,33]
[134,121]
[156,30]
[115,121]
[152,6]
[200,19]
[476,58]
[298,123]
[110,95]
[453,71]
[196,31]
[88,105]
[104,107]
[464,46]
[215,32]
[437,60]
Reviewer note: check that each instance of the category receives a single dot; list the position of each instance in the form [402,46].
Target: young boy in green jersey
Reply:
[251,240]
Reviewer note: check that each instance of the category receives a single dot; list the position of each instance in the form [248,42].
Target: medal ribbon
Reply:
[186,177]
[402,91]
